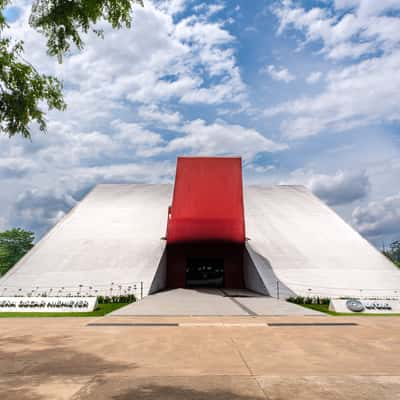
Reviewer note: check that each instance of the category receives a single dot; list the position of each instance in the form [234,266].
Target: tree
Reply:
[14,244]
[393,253]
[22,88]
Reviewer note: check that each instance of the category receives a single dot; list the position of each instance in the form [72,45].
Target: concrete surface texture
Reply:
[115,235]
[310,249]
[211,302]
[64,358]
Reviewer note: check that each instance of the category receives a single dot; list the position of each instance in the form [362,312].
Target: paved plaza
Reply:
[193,358]
[218,302]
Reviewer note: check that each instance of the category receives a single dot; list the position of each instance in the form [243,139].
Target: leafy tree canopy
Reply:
[393,253]
[63,22]
[14,244]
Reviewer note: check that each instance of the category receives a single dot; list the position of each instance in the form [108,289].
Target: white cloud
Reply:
[350,50]
[139,172]
[16,167]
[66,146]
[133,99]
[152,113]
[221,138]
[38,210]
[354,96]
[123,140]
[279,74]
[337,189]
[374,8]
[134,134]
[314,77]
[340,4]
[341,188]
[379,218]
[259,169]
[125,95]
[209,9]
[173,7]
[133,137]
[157,60]
[69,161]
[361,30]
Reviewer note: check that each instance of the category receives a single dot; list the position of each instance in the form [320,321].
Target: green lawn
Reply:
[325,309]
[102,309]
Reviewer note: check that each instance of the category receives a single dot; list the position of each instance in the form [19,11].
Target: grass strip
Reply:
[325,309]
[102,309]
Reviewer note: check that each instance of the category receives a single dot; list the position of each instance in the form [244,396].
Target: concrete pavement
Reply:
[211,302]
[239,358]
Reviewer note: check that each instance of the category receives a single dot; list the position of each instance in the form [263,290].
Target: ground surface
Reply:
[232,358]
[102,309]
[203,302]
[325,309]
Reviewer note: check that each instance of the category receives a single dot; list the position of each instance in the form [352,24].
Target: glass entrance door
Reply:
[205,272]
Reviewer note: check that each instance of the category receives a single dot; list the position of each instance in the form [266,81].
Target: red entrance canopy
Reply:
[207,203]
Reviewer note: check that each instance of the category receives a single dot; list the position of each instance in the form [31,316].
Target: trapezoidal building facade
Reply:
[206,230]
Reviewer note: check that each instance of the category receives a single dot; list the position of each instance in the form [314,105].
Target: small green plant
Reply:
[309,300]
[125,299]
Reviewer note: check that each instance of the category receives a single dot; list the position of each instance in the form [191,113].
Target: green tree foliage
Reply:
[393,253]
[63,21]
[23,90]
[14,244]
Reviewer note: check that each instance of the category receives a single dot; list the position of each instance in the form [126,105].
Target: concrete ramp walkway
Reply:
[204,302]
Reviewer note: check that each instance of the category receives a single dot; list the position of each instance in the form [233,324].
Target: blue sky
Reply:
[307,92]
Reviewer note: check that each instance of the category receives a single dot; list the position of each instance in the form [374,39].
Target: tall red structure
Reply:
[206,229]
[207,203]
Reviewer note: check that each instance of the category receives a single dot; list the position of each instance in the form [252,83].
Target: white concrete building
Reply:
[115,238]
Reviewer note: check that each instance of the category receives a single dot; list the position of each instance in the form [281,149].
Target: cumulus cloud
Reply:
[378,218]
[259,169]
[368,8]
[314,77]
[173,6]
[210,9]
[37,210]
[67,145]
[337,189]
[136,139]
[358,31]
[142,96]
[221,138]
[15,167]
[155,61]
[340,188]
[354,95]
[152,113]
[127,97]
[279,74]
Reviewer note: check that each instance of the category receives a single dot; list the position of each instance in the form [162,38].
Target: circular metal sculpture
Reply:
[354,305]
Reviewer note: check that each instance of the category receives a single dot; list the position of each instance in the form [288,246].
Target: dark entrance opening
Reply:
[212,264]
[205,272]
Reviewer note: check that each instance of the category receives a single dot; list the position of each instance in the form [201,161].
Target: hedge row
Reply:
[309,300]
[129,298]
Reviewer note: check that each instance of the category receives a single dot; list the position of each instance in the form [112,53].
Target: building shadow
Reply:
[164,392]
[58,361]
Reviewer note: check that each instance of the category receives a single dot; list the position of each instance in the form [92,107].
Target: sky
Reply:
[306,92]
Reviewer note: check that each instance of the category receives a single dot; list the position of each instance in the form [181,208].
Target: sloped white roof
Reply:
[115,234]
